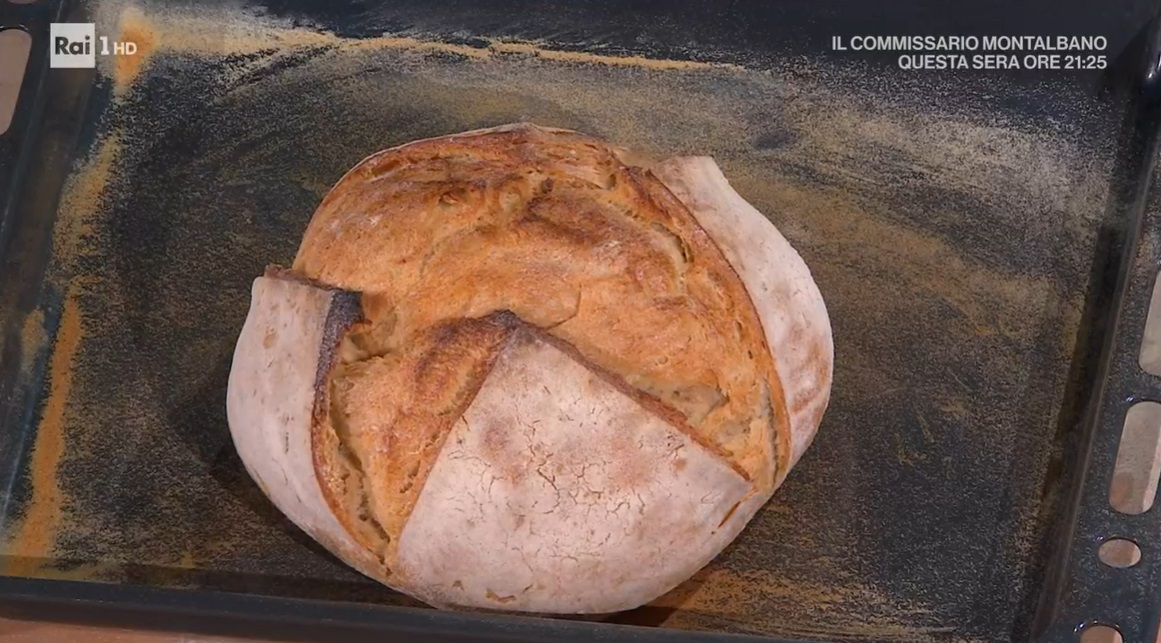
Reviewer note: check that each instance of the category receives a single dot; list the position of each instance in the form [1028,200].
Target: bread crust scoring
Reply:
[550,227]
[515,369]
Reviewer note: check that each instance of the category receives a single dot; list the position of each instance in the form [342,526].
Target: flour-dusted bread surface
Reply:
[551,227]
[564,494]
[561,388]
[288,336]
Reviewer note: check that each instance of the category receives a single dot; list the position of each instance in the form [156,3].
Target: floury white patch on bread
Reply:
[289,336]
[607,500]
[565,383]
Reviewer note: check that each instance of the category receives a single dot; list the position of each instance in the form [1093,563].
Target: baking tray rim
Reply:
[293,618]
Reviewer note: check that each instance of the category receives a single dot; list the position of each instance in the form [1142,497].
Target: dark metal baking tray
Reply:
[986,243]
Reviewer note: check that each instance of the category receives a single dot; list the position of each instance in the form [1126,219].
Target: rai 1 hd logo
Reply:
[75,45]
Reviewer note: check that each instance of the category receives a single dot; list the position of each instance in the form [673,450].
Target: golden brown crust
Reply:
[552,227]
[404,404]
[789,303]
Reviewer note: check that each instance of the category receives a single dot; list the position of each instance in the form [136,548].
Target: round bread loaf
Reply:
[513,369]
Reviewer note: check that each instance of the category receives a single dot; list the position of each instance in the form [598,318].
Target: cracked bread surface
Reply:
[271,398]
[530,286]
[564,494]
[553,228]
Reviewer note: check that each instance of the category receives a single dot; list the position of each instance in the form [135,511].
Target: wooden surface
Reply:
[34,632]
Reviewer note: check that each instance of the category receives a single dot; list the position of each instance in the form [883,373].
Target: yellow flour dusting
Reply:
[734,596]
[132,29]
[209,34]
[32,541]
[82,197]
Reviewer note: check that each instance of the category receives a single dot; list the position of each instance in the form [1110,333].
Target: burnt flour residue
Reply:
[952,252]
